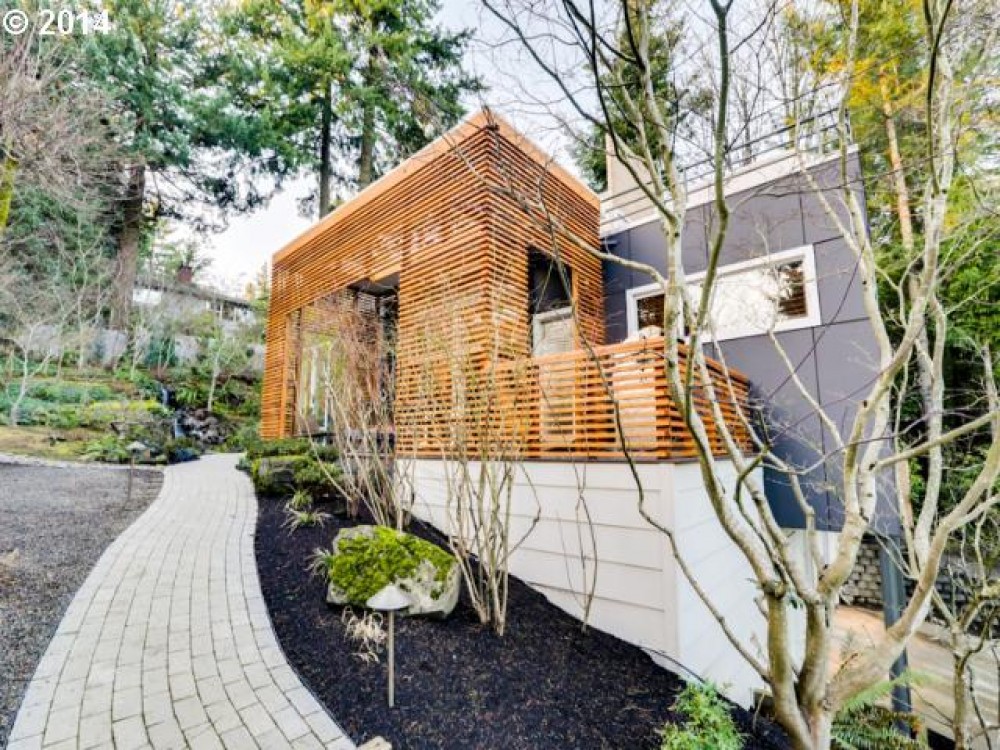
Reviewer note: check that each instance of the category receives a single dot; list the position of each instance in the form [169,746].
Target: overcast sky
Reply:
[240,251]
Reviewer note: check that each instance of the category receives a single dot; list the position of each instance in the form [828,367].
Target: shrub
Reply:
[290,447]
[301,500]
[298,518]
[707,725]
[284,475]
[103,413]
[862,724]
[161,353]
[108,449]
[181,449]
[59,392]
[242,439]
[364,562]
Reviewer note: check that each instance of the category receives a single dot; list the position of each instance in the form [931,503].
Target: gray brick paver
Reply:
[168,643]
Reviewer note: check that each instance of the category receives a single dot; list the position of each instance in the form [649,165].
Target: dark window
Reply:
[650,311]
[791,290]
[550,283]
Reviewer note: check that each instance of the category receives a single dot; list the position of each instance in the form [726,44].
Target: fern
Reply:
[863,725]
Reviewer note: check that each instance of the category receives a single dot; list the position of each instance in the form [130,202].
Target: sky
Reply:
[239,252]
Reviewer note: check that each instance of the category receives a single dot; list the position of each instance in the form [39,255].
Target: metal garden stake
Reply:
[390,599]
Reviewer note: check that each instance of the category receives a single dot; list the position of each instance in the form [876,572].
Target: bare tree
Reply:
[33,315]
[476,446]
[53,125]
[346,395]
[799,595]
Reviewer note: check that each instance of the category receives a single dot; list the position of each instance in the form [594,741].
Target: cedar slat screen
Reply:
[452,229]
[562,406]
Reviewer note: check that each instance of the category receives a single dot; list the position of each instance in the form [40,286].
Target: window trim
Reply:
[806,253]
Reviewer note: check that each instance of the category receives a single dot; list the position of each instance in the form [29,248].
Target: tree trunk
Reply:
[366,161]
[961,724]
[898,176]
[22,390]
[325,167]
[8,171]
[128,247]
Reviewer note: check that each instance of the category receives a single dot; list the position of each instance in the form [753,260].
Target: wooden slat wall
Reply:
[563,406]
[459,240]
[439,228]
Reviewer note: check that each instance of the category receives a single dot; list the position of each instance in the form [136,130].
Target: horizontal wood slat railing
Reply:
[562,406]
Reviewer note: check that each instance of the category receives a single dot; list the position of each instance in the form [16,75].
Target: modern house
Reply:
[510,340]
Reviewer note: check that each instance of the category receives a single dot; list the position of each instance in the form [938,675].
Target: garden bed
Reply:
[544,684]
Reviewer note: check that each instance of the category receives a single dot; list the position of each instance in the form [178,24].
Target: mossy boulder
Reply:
[366,559]
[258,448]
[283,476]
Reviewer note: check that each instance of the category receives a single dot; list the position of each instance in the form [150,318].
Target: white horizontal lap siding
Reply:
[724,574]
[639,594]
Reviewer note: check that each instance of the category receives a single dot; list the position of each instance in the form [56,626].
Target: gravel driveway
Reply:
[55,521]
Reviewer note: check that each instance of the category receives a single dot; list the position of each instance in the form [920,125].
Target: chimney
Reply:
[185,274]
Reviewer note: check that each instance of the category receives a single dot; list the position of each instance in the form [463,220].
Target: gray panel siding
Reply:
[835,361]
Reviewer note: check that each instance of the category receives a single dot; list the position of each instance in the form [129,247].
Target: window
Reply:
[776,292]
[550,286]
[649,311]
[553,332]
[550,300]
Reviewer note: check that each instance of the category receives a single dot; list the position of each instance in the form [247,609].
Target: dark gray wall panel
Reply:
[835,360]
[762,221]
[839,284]
[792,426]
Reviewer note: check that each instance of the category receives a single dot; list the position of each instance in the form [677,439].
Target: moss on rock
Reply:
[366,559]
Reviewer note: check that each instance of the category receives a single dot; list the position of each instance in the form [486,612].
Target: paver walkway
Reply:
[168,643]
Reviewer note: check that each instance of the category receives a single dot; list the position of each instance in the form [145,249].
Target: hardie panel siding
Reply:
[836,360]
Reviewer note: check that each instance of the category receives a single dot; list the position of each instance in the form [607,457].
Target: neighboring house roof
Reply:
[197,291]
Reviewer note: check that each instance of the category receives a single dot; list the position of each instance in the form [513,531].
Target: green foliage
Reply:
[862,724]
[104,413]
[296,518]
[70,393]
[369,559]
[373,80]
[301,500]
[161,353]
[623,87]
[175,114]
[283,475]
[290,447]
[109,449]
[708,724]
[243,438]
[192,394]
[180,449]
[62,405]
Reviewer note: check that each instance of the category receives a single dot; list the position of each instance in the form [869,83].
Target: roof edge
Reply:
[482,119]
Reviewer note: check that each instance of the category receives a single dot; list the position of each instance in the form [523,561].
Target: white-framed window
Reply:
[776,292]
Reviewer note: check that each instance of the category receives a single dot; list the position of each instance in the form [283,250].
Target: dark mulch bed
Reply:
[543,684]
[54,524]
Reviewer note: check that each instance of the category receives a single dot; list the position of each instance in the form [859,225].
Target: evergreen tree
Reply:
[623,83]
[191,152]
[346,87]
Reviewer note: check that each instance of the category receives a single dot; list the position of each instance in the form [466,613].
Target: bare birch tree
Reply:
[799,596]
